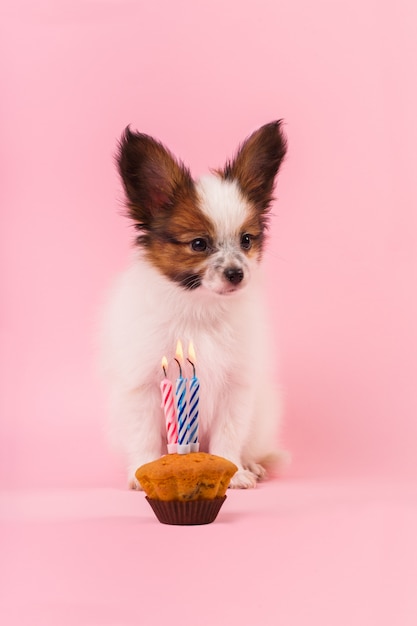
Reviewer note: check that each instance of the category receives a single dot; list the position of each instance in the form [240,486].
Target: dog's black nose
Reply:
[234,275]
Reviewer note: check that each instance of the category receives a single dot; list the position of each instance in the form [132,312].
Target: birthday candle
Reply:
[169,410]
[194,400]
[181,400]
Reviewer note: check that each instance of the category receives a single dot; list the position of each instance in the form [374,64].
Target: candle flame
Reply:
[178,352]
[191,352]
[164,363]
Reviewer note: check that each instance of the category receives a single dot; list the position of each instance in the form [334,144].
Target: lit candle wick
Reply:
[192,365]
[179,365]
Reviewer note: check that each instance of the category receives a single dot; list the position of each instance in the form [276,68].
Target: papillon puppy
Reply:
[195,275]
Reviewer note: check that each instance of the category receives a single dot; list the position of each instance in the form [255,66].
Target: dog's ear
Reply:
[152,177]
[257,162]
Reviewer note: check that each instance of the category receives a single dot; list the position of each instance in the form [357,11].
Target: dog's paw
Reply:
[134,484]
[257,469]
[132,481]
[243,479]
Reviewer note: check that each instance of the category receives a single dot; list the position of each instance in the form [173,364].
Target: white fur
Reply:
[226,207]
[148,313]
[224,203]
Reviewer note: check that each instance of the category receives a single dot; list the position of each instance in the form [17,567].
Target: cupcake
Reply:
[186,489]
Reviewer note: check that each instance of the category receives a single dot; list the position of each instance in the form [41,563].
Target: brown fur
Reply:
[163,202]
[172,238]
[254,227]
[256,164]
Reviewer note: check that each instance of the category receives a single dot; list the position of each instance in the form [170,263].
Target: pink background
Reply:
[333,541]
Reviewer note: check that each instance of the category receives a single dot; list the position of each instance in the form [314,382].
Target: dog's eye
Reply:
[246,241]
[199,245]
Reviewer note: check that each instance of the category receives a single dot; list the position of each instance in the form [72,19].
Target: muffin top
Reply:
[185,477]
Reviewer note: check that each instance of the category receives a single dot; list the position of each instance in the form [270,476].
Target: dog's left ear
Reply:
[257,163]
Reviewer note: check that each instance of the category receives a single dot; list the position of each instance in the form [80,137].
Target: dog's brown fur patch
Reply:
[163,202]
[170,249]
[255,227]
[256,164]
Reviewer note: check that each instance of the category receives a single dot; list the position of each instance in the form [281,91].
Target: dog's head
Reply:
[204,234]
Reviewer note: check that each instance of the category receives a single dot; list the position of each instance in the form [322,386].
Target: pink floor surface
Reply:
[290,552]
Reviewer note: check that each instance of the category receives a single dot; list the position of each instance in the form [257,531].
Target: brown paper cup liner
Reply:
[194,512]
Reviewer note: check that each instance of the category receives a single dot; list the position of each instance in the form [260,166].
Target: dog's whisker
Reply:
[274,255]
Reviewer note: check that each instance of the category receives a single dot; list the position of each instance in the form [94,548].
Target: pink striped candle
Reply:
[169,410]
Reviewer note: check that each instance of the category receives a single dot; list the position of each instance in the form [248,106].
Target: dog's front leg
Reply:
[138,427]
[230,431]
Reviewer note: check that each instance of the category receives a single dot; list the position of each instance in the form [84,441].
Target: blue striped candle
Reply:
[181,402]
[194,400]
[193,413]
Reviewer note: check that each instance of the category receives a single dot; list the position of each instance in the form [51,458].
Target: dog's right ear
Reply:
[151,176]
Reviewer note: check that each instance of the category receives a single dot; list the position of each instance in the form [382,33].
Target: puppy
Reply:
[195,275]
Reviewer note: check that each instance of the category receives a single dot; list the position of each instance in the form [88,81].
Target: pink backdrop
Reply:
[200,76]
